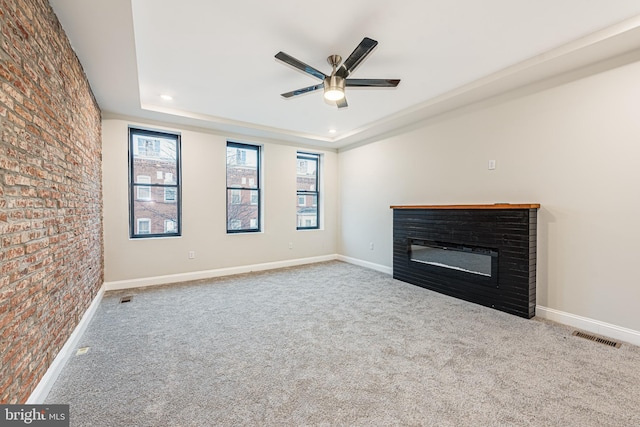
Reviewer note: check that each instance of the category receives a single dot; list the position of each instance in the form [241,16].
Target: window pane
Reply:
[156,211]
[242,212]
[155,158]
[308,213]
[242,167]
[307,176]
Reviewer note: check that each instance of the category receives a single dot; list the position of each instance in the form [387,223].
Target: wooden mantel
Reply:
[494,206]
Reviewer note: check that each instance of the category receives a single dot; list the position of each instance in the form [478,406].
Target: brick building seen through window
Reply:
[308,193]
[155,190]
[243,188]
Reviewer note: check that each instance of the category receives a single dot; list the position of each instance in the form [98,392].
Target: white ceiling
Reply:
[216,59]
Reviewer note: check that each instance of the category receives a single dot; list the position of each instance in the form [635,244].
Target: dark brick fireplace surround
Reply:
[503,233]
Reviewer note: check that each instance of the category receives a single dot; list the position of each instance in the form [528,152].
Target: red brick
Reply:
[10,90]
[23,113]
[15,119]
[50,225]
[5,99]
[15,252]
[8,164]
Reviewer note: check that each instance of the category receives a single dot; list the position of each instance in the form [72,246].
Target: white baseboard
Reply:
[43,388]
[590,325]
[207,274]
[378,267]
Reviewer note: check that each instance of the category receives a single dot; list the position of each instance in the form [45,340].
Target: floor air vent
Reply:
[128,298]
[596,339]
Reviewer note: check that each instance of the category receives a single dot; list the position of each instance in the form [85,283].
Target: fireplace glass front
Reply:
[463,258]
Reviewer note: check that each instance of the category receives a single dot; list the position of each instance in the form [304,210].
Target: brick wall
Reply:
[51,249]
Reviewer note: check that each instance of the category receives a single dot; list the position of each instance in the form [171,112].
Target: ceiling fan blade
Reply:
[342,103]
[288,59]
[357,56]
[302,91]
[372,82]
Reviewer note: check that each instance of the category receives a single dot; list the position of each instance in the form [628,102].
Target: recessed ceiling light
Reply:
[332,131]
[166,97]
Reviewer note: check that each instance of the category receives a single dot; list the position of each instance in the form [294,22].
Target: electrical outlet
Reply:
[290,245]
[492,165]
[192,254]
[371,245]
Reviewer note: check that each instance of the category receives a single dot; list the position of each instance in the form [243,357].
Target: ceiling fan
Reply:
[335,83]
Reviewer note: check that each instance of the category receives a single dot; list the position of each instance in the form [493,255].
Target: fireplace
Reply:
[465,259]
[484,254]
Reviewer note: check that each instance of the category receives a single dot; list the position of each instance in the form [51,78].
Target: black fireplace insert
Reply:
[459,258]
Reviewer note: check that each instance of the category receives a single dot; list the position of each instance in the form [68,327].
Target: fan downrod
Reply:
[334,61]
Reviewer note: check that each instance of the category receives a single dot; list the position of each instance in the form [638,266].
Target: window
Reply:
[147,147]
[143,192]
[154,183]
[169,194]
[307,184]
[144,226]
[236,197]
[241,156]
[169,225]
[302,165]
[243,188]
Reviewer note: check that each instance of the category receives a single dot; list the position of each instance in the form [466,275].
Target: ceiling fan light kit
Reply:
[334,84]
[333,88]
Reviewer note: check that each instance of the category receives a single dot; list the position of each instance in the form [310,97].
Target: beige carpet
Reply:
[334,344]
